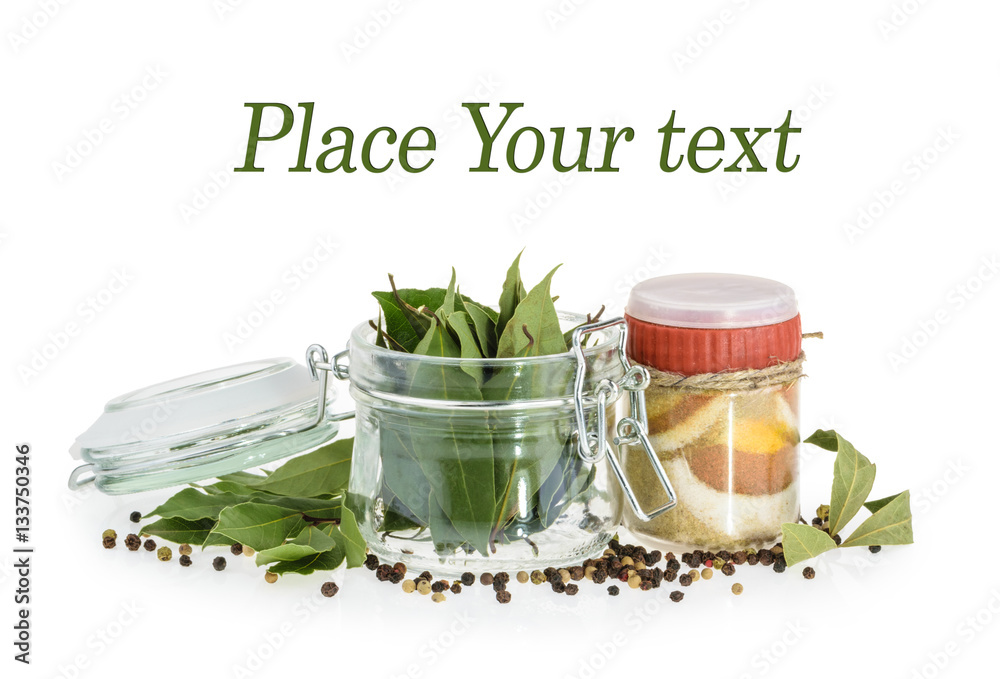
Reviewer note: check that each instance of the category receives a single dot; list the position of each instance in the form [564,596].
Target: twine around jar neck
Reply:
[780,374]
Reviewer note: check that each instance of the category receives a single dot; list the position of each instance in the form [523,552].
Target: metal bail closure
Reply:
[593,445]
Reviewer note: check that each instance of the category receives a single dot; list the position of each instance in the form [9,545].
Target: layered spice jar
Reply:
[724,354]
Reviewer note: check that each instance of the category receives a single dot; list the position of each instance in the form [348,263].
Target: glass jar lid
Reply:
[206,425]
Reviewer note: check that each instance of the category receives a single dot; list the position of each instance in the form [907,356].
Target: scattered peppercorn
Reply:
[522,576]
[577,573]
[438,597]
[823,512]
[737,588]
[468,579]
[236,549]
[729,569]
[498,584]
[503,596]
[817,522]
[695,575]
[670,575]
[685,580]
[426,575]
[133,542]
[572,589]
[613,590]
[808,572]
[399,567]
[537,577]
[653,557]
[248,551]
[382,572]
[270,578]
[219,563]
[875,549]
[164,554]
[765,557]
[676,596]
[564,574]
[149,546]
[371,562]
[456,587]
[329,589]
[752,559]
[438,586]
[740,558]
[409,586]
[559,586]
[599,577]
[707,573]
[502,576]
[486,579]
[185,549]
[108,542]
[423,587]
[634,582]
[395,577]
[779,566]
[185,560]
[836,539]
[135,517]
[110,533]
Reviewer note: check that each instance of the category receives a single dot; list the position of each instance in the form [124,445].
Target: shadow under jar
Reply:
[472,464]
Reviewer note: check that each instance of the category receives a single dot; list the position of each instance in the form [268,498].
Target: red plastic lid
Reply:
[702,323]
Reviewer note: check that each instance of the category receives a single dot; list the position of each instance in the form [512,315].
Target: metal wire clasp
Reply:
[592,446]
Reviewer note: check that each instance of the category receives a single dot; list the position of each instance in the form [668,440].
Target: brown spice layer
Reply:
[751,473]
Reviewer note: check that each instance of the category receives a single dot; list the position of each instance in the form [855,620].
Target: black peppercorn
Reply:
[728,569]
[426,575]
[836,539]
[613,590]
[685,580]
[185,560]
[875,549]
[438,586]
[371,562]
[752,559]
[572,589]
[552,578]
[670,575]
[133,542]
[765,557]
[498,584]
[779,566]
[487,579]
[576,573]
[559,586]
[614,545]
[740,558]
[456,588]
[108,542]
[676,596]
[149,546]
[503,596]
[645,585]
[502,577]
[468,579]
[808,573]
[329,589]
[236,549]
[599,576]
[817,521]
[395,577]
[383,572]
[135,517]
[673,564]
[219,563]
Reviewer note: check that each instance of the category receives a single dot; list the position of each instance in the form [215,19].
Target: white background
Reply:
[890,95]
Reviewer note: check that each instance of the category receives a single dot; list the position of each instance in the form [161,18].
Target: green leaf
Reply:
[323,471]
[180,530]
[890,525]
[534,329]
[875,505]
[853,478]
[312,540]
[802,542]
[324,561]
[459,323]
[486,329]
[512,294]
[192,505]
[258,525]
[350,539]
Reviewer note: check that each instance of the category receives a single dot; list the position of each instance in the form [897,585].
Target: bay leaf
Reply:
[486,330]
[180,530]
[324,561]
[892,524]
[323,471]
[875,505]
[511,295]
[192,504]
[801,542]
[312,540]
[460,325]
[259,526]
[534,329]
[348,536]
[853,478]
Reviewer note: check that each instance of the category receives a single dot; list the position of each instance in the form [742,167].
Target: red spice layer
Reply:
[752,473]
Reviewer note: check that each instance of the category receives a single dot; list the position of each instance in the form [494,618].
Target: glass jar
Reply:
[451,479]
[724,356]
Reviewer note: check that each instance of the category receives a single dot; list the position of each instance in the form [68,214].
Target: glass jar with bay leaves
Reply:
[465,464]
